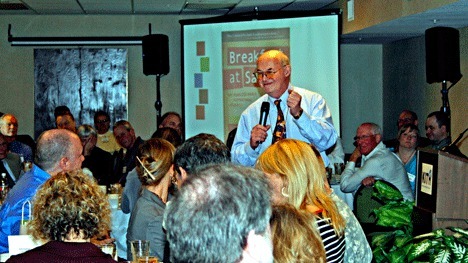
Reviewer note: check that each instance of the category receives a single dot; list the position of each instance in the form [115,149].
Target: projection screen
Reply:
[219,58]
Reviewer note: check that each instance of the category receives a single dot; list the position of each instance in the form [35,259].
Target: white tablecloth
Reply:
[119,225]
[347,197]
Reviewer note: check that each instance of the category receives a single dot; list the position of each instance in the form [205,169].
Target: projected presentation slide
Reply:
[219,59]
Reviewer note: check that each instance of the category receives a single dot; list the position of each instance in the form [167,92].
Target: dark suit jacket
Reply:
[14,162]
[100,163]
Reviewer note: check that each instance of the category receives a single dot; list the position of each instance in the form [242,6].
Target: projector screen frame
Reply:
[253,16]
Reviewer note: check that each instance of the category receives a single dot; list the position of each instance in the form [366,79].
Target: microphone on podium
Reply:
[264,110]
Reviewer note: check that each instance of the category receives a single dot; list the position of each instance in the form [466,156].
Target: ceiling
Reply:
[451,15]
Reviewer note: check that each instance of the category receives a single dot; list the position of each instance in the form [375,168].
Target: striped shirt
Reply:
[333,244]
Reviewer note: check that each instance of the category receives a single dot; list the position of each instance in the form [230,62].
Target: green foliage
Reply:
[399,245]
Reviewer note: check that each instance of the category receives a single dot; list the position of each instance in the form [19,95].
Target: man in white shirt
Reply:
[378,163]
[306,114]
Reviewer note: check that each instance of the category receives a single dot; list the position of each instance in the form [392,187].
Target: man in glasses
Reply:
[378,163]
[293,113]
[105,139]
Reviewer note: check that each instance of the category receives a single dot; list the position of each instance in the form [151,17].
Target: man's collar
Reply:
[440,144]
[379,146]
[283,96]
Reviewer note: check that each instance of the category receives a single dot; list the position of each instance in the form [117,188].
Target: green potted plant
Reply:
[399,245]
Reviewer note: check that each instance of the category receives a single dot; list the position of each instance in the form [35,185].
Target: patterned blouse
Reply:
[357,247]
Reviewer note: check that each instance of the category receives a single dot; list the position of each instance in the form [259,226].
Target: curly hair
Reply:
[295,237]
[69,203]
[156,156]
[304,176]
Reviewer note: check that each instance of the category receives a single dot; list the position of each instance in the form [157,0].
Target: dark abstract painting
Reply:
[85,80]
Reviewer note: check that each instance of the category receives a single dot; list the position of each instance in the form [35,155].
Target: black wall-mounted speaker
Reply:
[442,55]
[155,54]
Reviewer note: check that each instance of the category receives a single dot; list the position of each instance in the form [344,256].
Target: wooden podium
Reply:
[441,188]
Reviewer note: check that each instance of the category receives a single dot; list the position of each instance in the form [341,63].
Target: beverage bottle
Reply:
[4,187]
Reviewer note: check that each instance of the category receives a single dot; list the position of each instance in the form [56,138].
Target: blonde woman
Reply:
[298,177]
[295,237]
[69,209]
[154,168]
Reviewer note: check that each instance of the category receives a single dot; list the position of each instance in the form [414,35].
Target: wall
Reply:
[17,68]
[361,89]
[375,79]
[405,86]
[369,13]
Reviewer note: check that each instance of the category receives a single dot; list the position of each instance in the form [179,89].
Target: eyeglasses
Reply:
[102,121]
[269,74]
[363,137]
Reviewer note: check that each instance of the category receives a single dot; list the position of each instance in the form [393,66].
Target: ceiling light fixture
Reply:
[73,41]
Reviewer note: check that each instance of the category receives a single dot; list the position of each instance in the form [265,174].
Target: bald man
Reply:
[57,150]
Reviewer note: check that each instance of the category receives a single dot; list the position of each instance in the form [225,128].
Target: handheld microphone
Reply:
[264,110]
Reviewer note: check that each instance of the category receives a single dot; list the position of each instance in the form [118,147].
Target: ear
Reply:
[257,248]
[287,70]
[416,122]
[183,174]
[443,128]
[63,163]
[378,138]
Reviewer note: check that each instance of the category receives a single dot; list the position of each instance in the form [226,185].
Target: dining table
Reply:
[348,198]
[119,225]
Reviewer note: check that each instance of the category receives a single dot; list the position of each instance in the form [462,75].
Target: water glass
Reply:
[139,248]
[339,167]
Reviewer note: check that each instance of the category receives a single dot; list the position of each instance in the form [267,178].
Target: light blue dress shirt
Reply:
[315,126]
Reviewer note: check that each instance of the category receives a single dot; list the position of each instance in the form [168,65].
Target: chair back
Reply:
[364,204]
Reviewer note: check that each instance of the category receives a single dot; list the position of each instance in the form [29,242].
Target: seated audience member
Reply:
[406,151]
[66,121]
[10,163]
[58,150]
[297,175]
[125,159]
[69,209]
[98,161]
[105,137]
[406,117]
[378,163]
[168,134]
[437,130]
[295,238]
[172,120]
[132,191]
[61,110]
[221,214]
[154,170]
[9,128]
[197,152]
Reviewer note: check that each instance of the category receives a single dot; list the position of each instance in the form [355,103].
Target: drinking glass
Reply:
[339,167]
[139,248]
